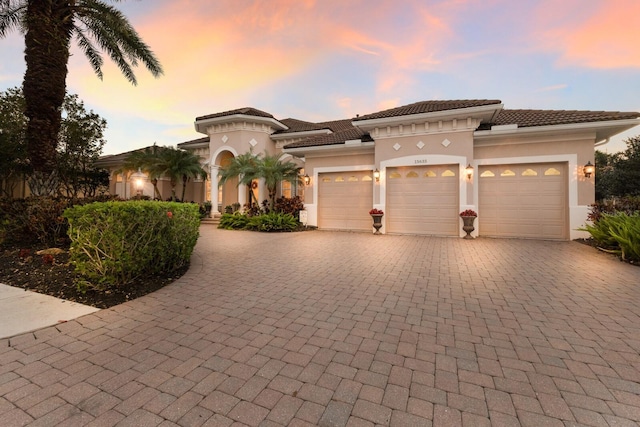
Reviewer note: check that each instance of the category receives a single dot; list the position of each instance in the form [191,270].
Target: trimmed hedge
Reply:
[113,243]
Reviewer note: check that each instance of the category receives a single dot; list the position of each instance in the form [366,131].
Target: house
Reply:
[524,171]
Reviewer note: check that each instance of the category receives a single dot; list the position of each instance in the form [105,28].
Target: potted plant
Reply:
[377,215]
[207,208]
[468,217]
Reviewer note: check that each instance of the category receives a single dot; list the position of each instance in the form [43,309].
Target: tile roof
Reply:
[428,107]
[296,125]
[338,137]
[530,118]
[247,111]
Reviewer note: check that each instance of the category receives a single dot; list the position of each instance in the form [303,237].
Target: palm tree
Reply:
[245,168]
[148,161]
[49,26]
[179,165]
[274,171]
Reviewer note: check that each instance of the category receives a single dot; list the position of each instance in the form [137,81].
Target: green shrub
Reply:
[233,221]
[35,219]
[273,222]
[265,222]
[626,204]
[113,243]
[38,218]
[619,233]
[291,205]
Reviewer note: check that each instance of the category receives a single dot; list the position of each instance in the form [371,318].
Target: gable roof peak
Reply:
[246,111]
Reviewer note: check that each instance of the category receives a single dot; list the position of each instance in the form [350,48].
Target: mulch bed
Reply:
[21,267]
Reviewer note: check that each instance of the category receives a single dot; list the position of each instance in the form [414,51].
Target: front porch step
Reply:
[211,221]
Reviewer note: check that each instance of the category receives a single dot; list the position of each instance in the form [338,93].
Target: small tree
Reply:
[13,150]
[147,160]
[80,144]
[274,171]
[618,174]
[179,165]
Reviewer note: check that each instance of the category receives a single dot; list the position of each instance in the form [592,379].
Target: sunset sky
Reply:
[319,60]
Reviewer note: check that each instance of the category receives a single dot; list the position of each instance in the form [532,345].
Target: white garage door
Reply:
[527,200]
[344,200]
[423,200]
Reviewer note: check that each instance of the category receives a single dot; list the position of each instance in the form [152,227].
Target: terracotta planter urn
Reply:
[377,215]
[377,222]
[468,217]
[467,225]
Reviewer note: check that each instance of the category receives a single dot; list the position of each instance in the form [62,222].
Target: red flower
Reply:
[170,214]
[375,211]
[468,212]
[47,259]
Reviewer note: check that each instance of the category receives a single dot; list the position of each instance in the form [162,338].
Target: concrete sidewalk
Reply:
[24,311]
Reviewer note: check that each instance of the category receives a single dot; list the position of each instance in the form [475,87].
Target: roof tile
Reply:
[531,118]
[247,111]
[428,107]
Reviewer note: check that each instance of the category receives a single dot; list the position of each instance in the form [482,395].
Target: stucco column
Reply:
[242,195]
[262,192]
[213,175]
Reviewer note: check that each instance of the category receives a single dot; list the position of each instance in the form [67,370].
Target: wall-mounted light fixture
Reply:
[139,178]
[376,175]
[469,171]
[307,179]
[588,169]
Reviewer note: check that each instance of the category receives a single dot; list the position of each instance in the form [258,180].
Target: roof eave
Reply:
[192,145]
[202,125]
[603,130]
[486,113]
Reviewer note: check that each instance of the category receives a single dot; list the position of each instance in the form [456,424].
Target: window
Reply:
[286,189]
[552,171]
[412,174]
[430,174]
[487,174]
[394,175]
[508,172]
[529,172]
[448,172]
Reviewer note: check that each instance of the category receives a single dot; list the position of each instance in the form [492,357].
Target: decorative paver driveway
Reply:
[335,329]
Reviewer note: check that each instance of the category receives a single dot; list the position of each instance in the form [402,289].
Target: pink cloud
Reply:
[602,34]
[224,48]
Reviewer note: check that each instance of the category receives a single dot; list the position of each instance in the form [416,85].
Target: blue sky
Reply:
[322,60]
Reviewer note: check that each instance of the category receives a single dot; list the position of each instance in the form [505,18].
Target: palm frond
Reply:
[12,16]
[94,57]
[116,36]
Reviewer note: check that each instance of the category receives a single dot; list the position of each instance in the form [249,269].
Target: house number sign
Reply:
[421,161]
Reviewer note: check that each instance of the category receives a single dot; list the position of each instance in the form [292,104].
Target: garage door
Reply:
[423,200]
[344,200]
[527,201]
